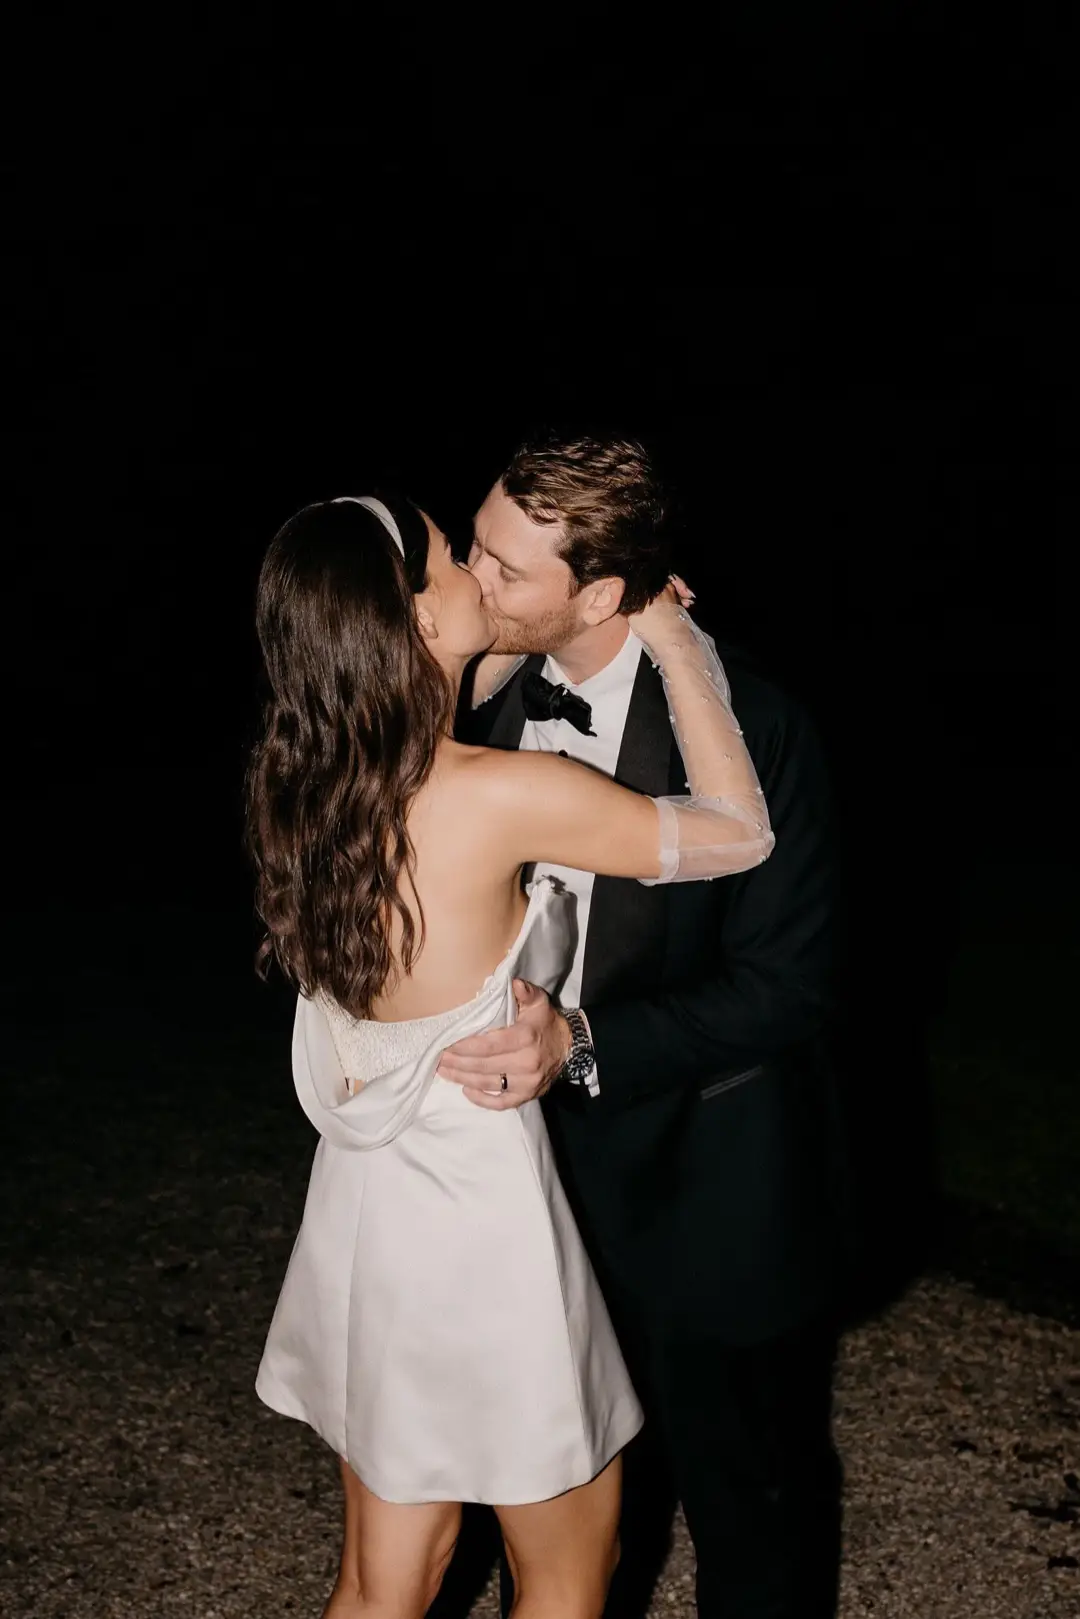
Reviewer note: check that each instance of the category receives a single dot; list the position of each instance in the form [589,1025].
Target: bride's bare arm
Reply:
[548,808]
[543,807]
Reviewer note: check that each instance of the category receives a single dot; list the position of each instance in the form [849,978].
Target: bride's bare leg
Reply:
[562,1553]
[394,1557]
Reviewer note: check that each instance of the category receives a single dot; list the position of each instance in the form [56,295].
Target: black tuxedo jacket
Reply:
[707,1175]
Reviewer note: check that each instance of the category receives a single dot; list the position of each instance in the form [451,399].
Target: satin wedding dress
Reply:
[440,1324]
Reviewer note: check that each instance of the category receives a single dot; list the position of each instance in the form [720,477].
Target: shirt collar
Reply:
[620,672]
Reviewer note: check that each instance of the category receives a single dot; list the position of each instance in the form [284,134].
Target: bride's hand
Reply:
[658,623]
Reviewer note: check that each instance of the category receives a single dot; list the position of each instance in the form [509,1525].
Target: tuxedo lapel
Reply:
[628,922]
[508,724]
[645,755]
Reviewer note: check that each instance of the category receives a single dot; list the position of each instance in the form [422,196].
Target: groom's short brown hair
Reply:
[607,495]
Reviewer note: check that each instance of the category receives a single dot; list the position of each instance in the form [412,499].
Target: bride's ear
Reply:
[424,617]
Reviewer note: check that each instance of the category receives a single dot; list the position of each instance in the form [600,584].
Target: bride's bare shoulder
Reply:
[497,776]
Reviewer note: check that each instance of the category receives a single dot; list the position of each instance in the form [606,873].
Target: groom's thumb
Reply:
[526,994]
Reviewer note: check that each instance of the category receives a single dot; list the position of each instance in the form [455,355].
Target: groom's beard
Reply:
[546,633]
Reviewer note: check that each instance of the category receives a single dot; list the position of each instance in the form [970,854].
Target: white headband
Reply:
[382,512]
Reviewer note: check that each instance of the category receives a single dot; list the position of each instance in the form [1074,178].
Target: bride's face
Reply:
[451,607]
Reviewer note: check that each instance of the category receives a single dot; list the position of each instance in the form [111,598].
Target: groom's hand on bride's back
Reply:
[529,1052]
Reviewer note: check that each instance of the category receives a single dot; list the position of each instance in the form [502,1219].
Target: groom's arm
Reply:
[768,986]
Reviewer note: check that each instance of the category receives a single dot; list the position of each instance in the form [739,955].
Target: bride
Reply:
[440,1325]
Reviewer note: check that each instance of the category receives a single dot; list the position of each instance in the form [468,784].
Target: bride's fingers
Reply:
[682,590]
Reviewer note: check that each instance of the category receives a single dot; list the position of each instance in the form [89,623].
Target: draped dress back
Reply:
[440,1324]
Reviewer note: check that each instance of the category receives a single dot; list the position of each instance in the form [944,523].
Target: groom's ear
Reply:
[603,598]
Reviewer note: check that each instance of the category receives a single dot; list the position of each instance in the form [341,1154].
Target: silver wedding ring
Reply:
[504,1083]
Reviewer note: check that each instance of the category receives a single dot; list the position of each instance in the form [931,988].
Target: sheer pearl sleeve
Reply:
[722,825]
[493,672]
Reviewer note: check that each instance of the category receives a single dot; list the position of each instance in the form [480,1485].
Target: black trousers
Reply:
[742,1437]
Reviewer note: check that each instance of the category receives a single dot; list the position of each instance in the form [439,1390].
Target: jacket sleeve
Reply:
[766,987]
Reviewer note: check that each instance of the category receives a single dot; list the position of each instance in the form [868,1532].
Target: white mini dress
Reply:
[440,1324]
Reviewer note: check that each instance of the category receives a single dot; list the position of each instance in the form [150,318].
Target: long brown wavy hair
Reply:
[356,706]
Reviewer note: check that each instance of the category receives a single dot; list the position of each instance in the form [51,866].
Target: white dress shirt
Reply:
[608,693]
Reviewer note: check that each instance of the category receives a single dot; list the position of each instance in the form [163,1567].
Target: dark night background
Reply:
[818,259]
[818,263]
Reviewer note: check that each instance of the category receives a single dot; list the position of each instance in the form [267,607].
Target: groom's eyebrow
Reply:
[509,566]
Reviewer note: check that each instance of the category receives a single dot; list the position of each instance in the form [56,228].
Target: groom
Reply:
[694,1122]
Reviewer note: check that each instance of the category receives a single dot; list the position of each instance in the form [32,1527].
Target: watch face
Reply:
[582,1056]
[582,1059]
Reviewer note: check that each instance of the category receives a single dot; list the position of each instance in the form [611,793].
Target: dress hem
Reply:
[626,1421]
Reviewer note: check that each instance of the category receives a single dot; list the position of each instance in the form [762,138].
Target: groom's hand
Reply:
[530,1053]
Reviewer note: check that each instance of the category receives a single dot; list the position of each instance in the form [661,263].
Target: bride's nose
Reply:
[481,574]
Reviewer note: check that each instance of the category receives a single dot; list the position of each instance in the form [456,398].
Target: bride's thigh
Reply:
[562,1553]
[395,1555]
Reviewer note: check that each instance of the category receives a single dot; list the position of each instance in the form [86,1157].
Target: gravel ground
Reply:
[147,1229]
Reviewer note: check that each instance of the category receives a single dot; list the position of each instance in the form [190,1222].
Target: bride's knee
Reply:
[578,1593]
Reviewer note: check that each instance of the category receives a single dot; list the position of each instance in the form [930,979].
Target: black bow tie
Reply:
[543,701]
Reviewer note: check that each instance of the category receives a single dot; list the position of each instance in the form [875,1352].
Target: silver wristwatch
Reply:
[581,1059]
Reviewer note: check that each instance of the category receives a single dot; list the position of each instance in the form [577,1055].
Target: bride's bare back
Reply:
[469,889]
